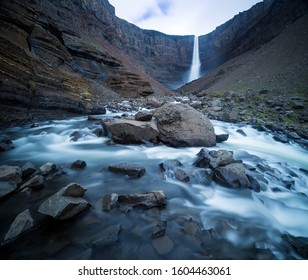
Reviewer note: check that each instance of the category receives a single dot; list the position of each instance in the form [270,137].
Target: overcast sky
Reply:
[180,17]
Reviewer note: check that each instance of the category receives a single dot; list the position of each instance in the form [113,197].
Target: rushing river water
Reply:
[201,222]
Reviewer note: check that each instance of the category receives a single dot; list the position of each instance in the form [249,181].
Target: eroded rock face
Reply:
[180,125]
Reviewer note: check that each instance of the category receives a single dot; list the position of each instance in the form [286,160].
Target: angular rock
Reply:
[36,182]
[73,190]
[300,244]
[222,138]
[168,166]
[181,174]
[232,175]
[203,176]
[108,236]
[63,207]
[131,170]
[110,201]
[159,230]
[125,131]
[180,125]
[49,170]
[75,136]
[28,169]
[78,164]
[10,173]
[213,159]
[145,200]
[143,116]
[7,187]
[21,224]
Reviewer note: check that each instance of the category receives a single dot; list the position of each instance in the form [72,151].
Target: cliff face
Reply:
[75,55]
[248,30]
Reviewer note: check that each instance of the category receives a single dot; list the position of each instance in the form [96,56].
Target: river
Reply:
[200,222]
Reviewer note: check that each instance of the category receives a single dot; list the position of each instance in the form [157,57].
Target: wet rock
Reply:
[145,200]
[191,227]
[78,164]
[28,169]
[98,110]
[106,237]
[181,175]
[232,175]
[281,138]
[22,223]
[169,165]
[180,125]
[6,145]
[10,173]
[125,131]
[203,176]
[143,116]
[240,131]
[37,182]
[73,190]
[163,245]
[213,158]
[131,170]
[61,206]
[75,136]
[7,187]
[99,132]
[222,138]
[110,201]
[159,230]
[300,244]
[49,170]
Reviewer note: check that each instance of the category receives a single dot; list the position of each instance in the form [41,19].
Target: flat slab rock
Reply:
[145,200]
[131,170]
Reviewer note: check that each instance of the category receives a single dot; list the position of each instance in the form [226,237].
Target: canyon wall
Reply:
[248,30]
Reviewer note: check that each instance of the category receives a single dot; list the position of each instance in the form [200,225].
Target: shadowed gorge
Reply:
[107,152]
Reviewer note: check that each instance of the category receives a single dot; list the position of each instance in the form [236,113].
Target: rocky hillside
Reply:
[59,57]
[73,56]
[267,85]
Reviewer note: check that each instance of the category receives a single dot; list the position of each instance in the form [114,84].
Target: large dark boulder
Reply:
[125,131]
[180,125]
[232,175]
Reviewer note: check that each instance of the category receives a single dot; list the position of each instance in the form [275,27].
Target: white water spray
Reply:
[195,64]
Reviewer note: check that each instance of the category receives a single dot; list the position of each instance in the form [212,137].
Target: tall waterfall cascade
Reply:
[195,68]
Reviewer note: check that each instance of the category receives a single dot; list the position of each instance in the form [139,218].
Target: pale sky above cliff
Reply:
[180,17]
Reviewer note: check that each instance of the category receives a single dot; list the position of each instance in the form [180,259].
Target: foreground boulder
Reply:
[126,131]
[10,173]
[7,188]
[22,223]
[180,125]
[66,203]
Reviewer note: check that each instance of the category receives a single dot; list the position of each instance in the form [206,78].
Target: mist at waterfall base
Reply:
[202,221]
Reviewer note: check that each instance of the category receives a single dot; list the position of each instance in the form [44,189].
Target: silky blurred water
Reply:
[243,219]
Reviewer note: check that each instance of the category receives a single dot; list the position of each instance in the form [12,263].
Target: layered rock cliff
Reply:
[73,56]
[248,30]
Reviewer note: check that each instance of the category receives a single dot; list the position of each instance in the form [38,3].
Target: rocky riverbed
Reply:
[82,189]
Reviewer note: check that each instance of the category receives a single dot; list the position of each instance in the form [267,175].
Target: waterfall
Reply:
[195,63]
